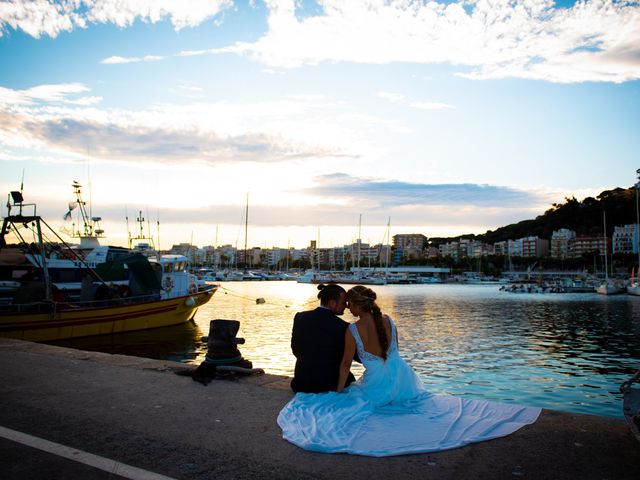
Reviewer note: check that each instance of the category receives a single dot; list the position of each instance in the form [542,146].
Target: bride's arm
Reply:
[347,357]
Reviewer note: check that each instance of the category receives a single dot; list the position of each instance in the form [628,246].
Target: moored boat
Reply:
[143,294]
[610,288]
[45,321]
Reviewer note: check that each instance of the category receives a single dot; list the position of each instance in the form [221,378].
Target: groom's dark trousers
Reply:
[317,342]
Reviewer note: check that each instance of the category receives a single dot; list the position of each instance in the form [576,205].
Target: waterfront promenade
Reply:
[136,417]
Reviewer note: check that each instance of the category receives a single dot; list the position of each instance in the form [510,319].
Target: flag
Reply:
[72,205]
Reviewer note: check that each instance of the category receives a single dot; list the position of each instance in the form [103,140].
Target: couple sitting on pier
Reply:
[387,411]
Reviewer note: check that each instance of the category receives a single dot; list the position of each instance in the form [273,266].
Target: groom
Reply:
[317,342]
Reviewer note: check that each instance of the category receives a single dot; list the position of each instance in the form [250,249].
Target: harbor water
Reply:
[561,351]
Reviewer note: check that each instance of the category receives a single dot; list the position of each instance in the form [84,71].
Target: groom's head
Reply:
[333,297]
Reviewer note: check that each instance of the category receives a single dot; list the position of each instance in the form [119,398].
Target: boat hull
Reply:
[609,290]
[84,322]
[634,290]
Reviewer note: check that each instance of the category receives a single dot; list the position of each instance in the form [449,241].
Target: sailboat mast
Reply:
[606,265]
[359,239]
[215,248]
[388,249]
[246,231]
[637,245]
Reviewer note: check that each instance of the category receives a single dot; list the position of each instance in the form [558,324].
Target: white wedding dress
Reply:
[388,412]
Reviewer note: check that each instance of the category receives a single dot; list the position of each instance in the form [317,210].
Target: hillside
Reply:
[584,217]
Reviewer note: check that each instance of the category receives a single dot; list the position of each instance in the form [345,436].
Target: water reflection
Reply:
[179,343]
[562,351]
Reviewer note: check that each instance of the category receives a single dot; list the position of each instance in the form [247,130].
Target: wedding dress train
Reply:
[389,412]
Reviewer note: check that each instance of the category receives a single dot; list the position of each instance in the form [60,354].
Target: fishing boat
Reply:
[129,293]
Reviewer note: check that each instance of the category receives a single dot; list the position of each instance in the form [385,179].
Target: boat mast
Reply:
[606,265]
[12,220]
[359,240]
[246,231]
[288,252]
[387,252]
[158,231]
[45,270]
[637,245]
[215,248]
[91,229]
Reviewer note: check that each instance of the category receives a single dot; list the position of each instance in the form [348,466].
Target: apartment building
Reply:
[578,246]
[534,247]
[560,240]
[413,240]
[625,239]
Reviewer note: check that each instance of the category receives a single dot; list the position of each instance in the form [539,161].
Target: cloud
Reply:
[58,117]
[67,93]
[400,98]
[114,60]
[593,40]
[50,18]
[393,193]
[430,105]
[391,96]
[110,140]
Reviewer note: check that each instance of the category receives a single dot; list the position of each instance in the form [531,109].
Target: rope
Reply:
[253,300]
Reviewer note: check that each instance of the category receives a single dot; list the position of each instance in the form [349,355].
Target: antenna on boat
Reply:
[126,218]
[149,224]
[17,198]
[158,229]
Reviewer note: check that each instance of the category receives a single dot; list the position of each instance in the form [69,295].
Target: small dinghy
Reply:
[631,404]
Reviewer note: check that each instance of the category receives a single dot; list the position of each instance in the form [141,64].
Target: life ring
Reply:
[168,284]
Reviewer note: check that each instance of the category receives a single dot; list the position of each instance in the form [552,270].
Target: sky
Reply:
[336,119]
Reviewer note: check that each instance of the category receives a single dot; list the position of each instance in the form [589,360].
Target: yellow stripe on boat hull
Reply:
[85,322]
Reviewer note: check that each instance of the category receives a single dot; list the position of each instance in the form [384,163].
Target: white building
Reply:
[625,239]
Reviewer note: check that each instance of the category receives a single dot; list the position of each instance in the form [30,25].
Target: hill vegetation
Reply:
[584,217]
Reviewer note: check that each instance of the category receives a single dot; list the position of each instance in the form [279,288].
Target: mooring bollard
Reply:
[223,355]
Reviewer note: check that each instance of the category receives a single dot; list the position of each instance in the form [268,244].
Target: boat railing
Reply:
[53,306]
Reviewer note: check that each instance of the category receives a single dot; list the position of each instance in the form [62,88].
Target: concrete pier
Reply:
[126,417]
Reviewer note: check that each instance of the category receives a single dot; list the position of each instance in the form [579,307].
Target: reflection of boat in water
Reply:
[176,343]
[145,294]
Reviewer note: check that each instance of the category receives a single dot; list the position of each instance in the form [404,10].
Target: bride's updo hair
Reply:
[365,299]
[328,292]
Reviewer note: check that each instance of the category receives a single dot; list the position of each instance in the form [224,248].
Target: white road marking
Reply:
[96,461]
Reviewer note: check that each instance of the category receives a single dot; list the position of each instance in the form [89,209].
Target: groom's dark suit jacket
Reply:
[317,342]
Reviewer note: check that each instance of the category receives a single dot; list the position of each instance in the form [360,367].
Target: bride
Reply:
[388,411]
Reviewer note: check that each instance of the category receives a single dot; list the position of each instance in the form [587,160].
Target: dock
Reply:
[67,414]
